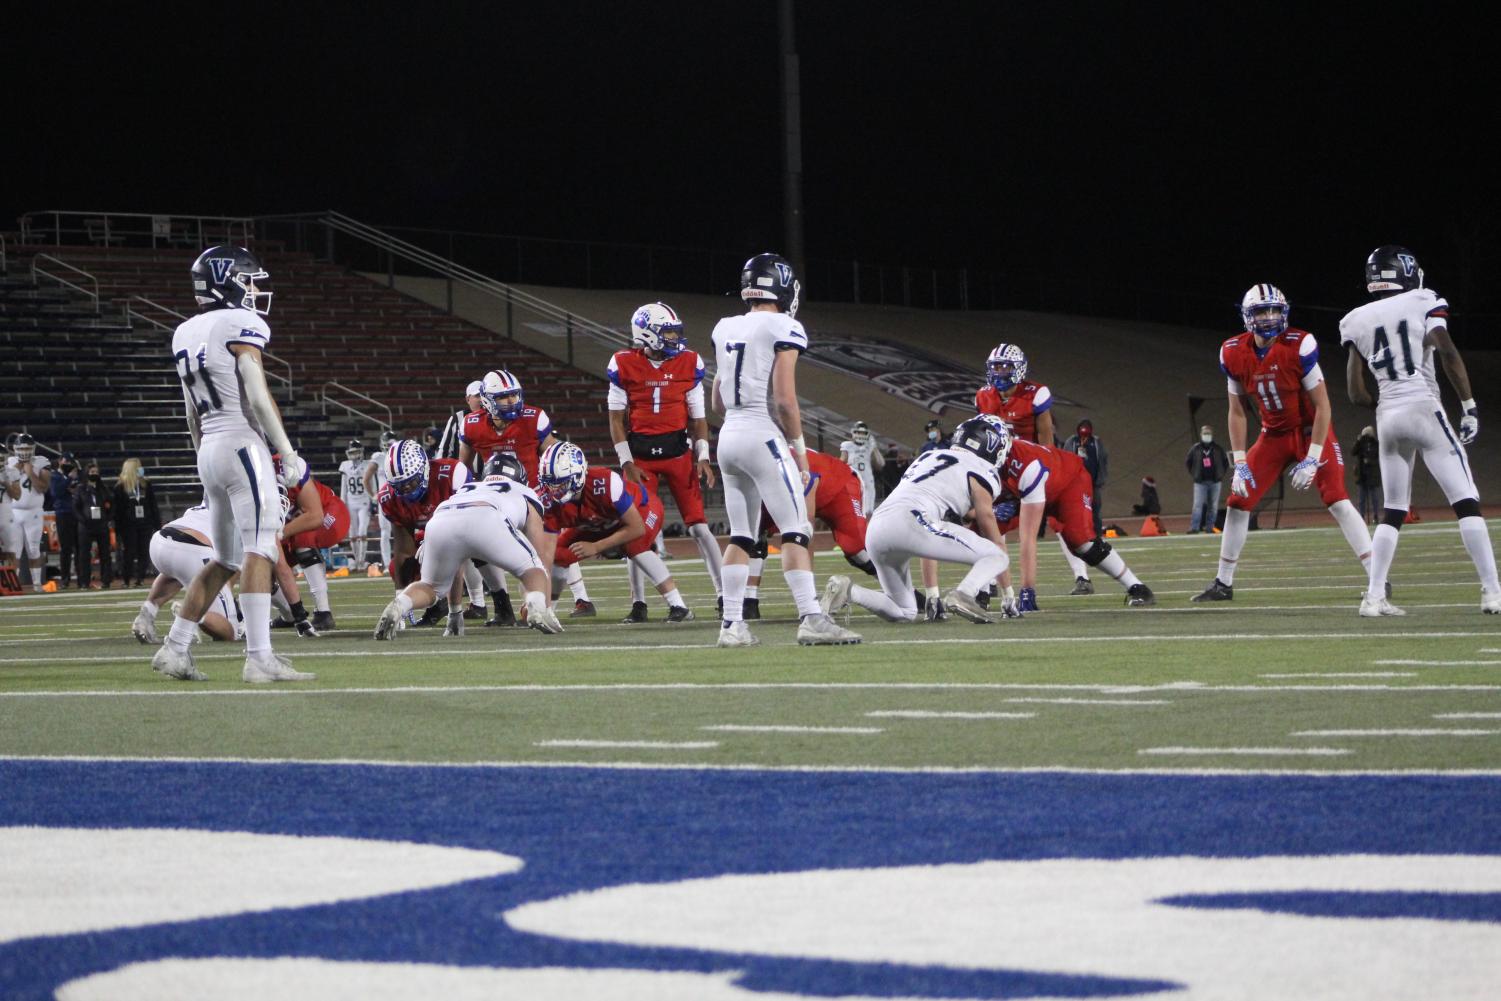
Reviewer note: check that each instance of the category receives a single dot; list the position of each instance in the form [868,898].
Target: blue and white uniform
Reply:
[483,520]
[182,560]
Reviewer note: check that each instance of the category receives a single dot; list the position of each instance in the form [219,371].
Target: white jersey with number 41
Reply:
[1390,334]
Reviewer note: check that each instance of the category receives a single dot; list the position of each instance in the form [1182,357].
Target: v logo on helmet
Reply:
[784,273]
[1409,263]
[220,266]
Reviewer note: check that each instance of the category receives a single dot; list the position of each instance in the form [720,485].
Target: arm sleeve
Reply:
[258,396]
[616,398]
[460,475]
[618,497]
[1438,315]
[1231,382]
[544,424]
[695,398]
[1042,400]
[1032,483]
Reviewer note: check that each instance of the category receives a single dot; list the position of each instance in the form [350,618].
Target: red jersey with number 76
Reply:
[1275,377]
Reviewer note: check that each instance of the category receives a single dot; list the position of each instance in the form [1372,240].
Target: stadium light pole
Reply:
[792,141]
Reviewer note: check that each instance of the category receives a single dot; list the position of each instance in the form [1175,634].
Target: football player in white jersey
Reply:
[498,520]
[1396,337]
[942,486]
[231,418]
[863,454]
[762,457]
[27,477]
[375,478]
[8,545]
[179,551]
[352,492]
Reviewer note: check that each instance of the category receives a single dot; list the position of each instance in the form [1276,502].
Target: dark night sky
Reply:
[1196,145]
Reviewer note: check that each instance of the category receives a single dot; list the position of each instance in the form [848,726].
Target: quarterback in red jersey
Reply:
[318,519]
[504,424]
[1039,480]
[1277,367]
[593,511]
[415,486]
[659,384]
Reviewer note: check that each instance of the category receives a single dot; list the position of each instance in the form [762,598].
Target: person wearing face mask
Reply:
[61,488]
[933,436]
[94,507]
[1207,464]
[1086,445]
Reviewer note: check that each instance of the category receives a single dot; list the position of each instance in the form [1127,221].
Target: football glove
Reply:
[1242,483]
[1010,608]
[293,469]
[1026,600]
[1304,472]
[1005,510]
[455,626]
[1469,425]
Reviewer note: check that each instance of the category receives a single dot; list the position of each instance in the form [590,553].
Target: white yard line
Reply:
[649,745]
[1415,732]
[1345,674]
[1246,751]
[1438,663]
[938,714]
[1096,702]
[1467,715]
[779,728]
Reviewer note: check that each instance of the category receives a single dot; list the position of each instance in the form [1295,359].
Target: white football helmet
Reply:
[1264,309]
[355,451]
[860,433]
[1006,368]
[406,469]
[23,446]
[657,327]
[561,472]
[500,394]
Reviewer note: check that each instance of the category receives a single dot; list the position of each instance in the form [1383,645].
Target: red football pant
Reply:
[842,515]
[563,556]
[334,530]
[682,479]
[1272,454]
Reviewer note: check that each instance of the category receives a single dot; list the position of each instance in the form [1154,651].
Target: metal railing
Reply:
[131,313]
[325,401]
[133,229]
[38,271]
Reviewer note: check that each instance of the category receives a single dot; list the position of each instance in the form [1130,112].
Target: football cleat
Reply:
[1082,585]
[737,634]
[1138,595]
[1375,607]
[323,622]
[1490,602]
[983,600]
[637,613]
[1218,591]
[176,665]
[455,625]
[820,630]
[261,669]
[1026,599]
[965,606]
[306,629]
[475,612]
[750,609]
[389,621]
[583,610]
[504,615]
[436,612]
[680,613]
[936,612]
[836,595]
[144,627]
[544,619]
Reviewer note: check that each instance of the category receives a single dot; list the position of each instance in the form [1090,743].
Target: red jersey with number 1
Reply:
[1273,377]
[444,476]
[520,437]
[657,391]
[1020,410]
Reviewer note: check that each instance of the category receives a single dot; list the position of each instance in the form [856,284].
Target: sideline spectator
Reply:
[93,506]
[1150,503]
[61,489]
[1086,445]
[1368,474]
[448,447]
[1207,464]
[136,520]
[933,436]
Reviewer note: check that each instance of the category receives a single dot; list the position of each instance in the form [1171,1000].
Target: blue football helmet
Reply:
[985,435]
[769,278]
[505,466]
[230,278]
[1392,269]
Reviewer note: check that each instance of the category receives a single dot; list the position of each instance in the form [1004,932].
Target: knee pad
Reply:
[1467,508]
[794,539]
[747,544]
[306,557]
[1393,517]
[1095,554]
[860,562]
[761,549]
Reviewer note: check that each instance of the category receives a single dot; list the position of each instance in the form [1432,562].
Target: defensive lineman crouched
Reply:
[498,520]
[179,551]
[940,484]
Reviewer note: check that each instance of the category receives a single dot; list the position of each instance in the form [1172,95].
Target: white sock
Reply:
[931,593]
[651,564]
[149,608]
[638,582]
[734,590]
[357,550]
[1477,542]
[183,631]
[474,584]
[708,548]
[674,598]
[385,548]
[757,567]
[257,609]
[576,583]
[1383,551]
[804,593]
[1356,533]
[1116,567]
[317,582]
[403,602]
[753,591]
[1237,524]
[1075,565]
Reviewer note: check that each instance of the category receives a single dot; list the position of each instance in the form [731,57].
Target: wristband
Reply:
[1315,451]
[701,450]
[799,446]
[623,452]
[1467,407]
[1238,456]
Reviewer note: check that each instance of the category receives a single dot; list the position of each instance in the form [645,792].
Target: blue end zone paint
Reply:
[582,829]
[1442,906]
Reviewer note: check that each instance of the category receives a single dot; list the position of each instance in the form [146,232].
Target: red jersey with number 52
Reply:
[1274,378]
[601,504]
[1020,411]
[657,391]
[444,476]
[520,437]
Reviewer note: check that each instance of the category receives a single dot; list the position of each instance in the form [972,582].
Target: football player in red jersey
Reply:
[1027,406]
[318,520]
[1040,481]
[415,486]
[1277,367]
[593,511]
[835,496]
[659,383]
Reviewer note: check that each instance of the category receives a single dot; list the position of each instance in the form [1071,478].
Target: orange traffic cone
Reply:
[1152,525]
[341,572]
[374,570]
[50,587]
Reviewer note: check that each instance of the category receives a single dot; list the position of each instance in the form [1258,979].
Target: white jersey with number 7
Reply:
[745,349]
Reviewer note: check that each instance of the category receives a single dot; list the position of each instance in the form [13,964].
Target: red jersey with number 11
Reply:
[1273,377]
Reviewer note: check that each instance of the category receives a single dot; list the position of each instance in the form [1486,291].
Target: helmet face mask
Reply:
[1392,269]
[406,469]
[230,278]
[1006,368]
[657,328]
[860,433]
[561,472]
[1264,309]
[501,396]
[770,278]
